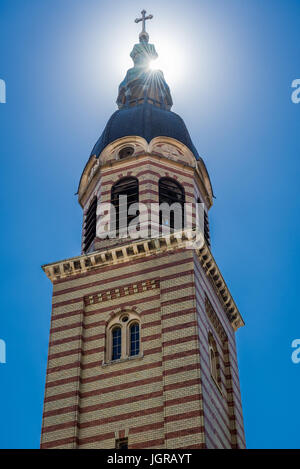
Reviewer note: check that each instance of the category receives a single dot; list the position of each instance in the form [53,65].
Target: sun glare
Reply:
[153,65]
[170,61]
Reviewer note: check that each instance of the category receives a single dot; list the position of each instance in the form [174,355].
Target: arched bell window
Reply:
[123,194]
[205,224]
[90,224]
[171,193]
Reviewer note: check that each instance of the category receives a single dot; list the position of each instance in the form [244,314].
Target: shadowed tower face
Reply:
[142,347]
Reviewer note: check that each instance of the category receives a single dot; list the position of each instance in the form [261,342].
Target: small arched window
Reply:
[171,193]
[116,343]
[123,337]
[124,194]
[90,224]
[134,333]
[214,360]
[122,443]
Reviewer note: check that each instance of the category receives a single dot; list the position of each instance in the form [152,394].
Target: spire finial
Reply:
[144,36]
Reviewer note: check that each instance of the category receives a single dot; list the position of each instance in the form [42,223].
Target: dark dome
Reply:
[147,121]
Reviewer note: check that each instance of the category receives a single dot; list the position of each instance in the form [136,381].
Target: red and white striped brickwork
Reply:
[165,398]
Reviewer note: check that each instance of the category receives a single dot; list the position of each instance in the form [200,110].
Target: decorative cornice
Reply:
[80,265]
[212,271]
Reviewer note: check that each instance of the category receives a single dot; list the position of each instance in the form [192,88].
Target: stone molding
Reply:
[80,265]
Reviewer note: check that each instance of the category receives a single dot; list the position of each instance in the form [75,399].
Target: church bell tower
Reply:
[142,349]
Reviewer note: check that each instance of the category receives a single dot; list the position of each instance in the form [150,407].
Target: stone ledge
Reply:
[79,265]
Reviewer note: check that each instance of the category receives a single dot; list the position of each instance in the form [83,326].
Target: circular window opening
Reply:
[125,152]
[124,318]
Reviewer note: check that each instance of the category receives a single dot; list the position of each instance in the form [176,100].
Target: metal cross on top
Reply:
[143,19]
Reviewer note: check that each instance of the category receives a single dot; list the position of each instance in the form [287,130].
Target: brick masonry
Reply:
[166,396]
[87,402]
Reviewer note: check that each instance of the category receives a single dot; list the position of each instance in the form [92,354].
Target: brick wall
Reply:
[164,399]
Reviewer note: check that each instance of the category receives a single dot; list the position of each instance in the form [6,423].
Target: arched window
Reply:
[134,333]
[205,224]
[122,443]
[214,359]
[171,193]
[129,189]
[116,343]
[213,362]
[90,224]
[123,336]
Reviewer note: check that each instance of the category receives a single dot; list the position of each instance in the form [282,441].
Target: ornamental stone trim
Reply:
[115,293]
[213,273]
[80,265]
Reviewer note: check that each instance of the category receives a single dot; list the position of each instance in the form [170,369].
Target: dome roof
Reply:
[147,121]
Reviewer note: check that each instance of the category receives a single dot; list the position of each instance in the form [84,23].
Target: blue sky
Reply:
[232,65]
